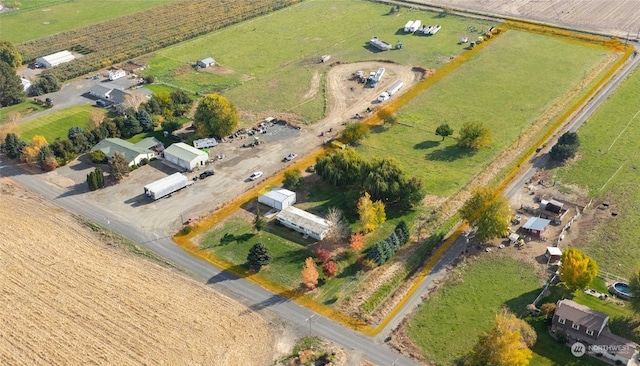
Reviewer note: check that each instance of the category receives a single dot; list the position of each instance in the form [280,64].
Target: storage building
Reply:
[205,143]
[304,222]
[536,226]
[133,153]
[117,74]
[206,62]
[185,156]
[55,59]
[278,198]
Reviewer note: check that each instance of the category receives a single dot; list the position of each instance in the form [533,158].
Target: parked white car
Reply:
[290,157]
[255,175]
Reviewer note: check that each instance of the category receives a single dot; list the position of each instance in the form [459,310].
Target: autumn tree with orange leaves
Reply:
[309,274]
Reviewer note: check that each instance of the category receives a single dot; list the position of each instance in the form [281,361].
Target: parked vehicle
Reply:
[206,173]
[395,87]
[290,157]
[255,175]
[384,96]
[166,186]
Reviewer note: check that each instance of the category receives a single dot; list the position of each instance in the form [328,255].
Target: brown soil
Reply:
[67,298]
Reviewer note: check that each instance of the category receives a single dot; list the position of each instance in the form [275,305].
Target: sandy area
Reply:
[67,298]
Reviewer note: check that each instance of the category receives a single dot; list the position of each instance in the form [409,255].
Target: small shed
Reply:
[553,254]
[536,226]
[513,238]
[552,205]
[185,156]
[278,198]
[206,62]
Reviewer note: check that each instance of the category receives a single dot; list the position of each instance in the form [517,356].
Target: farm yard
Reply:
[54,16]
[68,297]
[56,124]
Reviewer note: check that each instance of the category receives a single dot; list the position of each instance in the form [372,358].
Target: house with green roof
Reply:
[185,156]
[134,153]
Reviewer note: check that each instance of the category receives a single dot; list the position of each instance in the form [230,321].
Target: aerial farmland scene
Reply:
[319,182]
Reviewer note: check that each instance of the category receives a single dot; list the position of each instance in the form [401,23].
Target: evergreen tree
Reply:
[11,90]
[13,145]
[258,257]
[91,181]
[146,122]
[10,54]
[259,221]
[119,166]
[131,126]
[99,177]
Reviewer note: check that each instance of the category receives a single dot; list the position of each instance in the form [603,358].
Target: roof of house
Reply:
[109,146]
[59,57]
[99,89]
[304,219]
[554,251]
[148,142]
[581,315]
[184,152]
[208,60]
[117,96]
[536,223]
[279,194]
[26,83]
[621,346]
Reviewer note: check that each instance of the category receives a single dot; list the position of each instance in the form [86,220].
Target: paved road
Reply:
[243,291]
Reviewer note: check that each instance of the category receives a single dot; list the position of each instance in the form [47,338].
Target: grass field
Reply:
[273,69]
[25,108]
[39,18]
[56,124]
[609,170]
[507,87]
[448,324]
[289,251]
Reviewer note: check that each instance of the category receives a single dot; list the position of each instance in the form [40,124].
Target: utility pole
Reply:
[310,320]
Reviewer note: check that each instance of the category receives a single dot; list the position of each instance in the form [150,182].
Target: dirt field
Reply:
[67,298]
[617,18]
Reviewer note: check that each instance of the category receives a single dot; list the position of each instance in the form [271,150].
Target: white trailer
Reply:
[114,75]
[205,143]
[435,30]
[415,26]
[166,185]
[395,87]
[426,30]
[407,27]
[380,44]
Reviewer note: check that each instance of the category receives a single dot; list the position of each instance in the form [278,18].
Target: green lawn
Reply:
[507,87]
[56,124]
[274,67]
[608,169]
[289,251]
[39,18]
[447,325]
[25,108]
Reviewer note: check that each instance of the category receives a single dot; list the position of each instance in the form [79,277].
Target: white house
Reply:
[26,85]
[205,143]
[100,91]
[117,74]
[185,156]
[278,198]
[206,62]
[304,222]
[134,153]
[55,59]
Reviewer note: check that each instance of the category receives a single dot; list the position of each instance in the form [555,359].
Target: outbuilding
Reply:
[304,222]
[278,198]
[55,59]
[133,153]
[536,226]
[116,74]
[26,85]
[206,62]
[185,156]
[205,143]
[553,254]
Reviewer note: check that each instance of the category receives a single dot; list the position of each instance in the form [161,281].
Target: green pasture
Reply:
[288,249]
[56,124]
[40,18]
[25,109]
[274,68]
[447,325]
[608,168]
[506,87]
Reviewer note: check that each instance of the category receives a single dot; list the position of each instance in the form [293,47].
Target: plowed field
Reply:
[68,299]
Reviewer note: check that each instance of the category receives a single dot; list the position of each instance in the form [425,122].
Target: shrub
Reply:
[97,157]
[323,255]
[330,268]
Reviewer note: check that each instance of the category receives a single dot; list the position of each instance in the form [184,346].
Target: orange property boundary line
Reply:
[185,241]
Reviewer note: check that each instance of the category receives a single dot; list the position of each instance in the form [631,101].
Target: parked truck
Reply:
[166,186]
[407,27]
[415,26]
[395,87]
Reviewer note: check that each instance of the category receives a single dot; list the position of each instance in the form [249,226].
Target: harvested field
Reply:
[617,18]
[66,298]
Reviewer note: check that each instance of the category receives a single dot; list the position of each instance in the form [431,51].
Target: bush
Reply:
[330,268]
[97,157]
[323,255]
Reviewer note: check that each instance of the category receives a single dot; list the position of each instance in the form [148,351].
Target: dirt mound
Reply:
[67,298]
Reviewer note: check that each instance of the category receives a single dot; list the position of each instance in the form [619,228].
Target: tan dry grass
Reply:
[67,299]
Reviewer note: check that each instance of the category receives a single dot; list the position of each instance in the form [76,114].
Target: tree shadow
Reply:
[379,128]
[450,153]
[230,274]
[230,238]
[426,145]
[273,300]
[78,188]
[518,305]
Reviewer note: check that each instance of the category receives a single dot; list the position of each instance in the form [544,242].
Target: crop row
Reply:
[133,35]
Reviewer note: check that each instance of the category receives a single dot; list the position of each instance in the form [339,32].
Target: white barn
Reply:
[304,222]
[206,62]
[278,198]
[185,156]
[55,59]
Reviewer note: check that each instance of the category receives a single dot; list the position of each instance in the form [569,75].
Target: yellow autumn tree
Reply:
[577,269]
[371,213]
[309,274]
[504,345]
[30,152]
